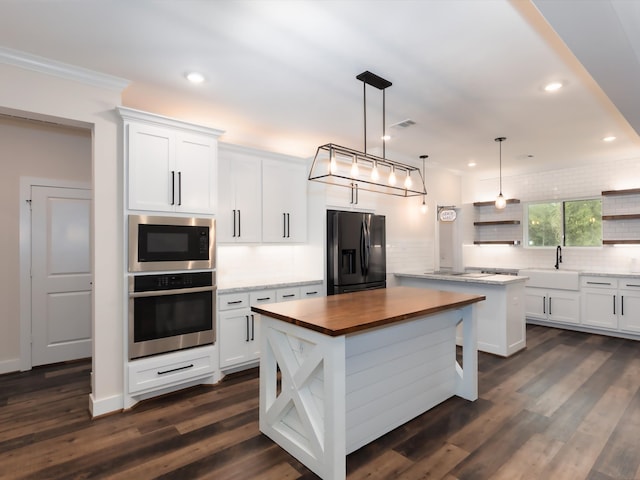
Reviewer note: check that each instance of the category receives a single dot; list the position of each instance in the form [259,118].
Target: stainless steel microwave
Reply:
[170,243]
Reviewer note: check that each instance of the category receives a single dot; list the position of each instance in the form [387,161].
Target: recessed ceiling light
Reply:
[195,77]
[471,164]
[610,138]
[553,86]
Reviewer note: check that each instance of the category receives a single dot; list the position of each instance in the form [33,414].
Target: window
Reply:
[573,223]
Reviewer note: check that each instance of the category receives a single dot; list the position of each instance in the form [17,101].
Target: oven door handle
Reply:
[162,293]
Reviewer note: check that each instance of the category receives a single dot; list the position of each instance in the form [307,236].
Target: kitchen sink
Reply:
[552,278]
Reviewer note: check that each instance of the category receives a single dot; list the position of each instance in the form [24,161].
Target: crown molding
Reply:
[59,69]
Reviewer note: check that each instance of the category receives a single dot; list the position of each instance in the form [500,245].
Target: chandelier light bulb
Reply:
[392,177]
[424,208]
[333,166]
[407,181]
[354,169]
[501,202]
[375,175]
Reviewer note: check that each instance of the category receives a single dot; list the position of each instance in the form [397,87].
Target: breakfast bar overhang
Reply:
[340,371]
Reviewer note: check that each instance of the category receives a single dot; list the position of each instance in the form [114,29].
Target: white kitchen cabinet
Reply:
[171,369]
[561,306]
[171,165]
[599,302]
[629,290]
[611,303]
[240,196]
[284,201]
[237,330]
[311,291]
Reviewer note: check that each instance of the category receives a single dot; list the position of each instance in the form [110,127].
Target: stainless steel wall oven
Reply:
[170,312]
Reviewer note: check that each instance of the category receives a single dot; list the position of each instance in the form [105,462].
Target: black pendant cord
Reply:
[500,140]
[364,97]
[500,167]
[384,129]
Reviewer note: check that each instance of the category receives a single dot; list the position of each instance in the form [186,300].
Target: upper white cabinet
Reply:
[354,198]
[171,165]
[284,201]
[240,196]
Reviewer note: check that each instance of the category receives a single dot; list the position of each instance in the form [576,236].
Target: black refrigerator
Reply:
[356,252]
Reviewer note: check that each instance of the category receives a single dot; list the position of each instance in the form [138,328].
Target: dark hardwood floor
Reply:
[568,407]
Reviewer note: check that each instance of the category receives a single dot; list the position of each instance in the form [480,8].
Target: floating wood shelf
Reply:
[620,242]
[630,191]
[498,222]
[630,216]
[486,204]
[497,242]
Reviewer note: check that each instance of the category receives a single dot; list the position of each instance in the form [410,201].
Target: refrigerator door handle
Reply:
[363,248]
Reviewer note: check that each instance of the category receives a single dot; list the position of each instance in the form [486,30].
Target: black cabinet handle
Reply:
[356,193]
[289,295]
[173,187]
[284,225]
[599,283]
[544,304]
[614,304]
[311,293]
[549,305]
[186,367]
[288,227]
[239,224]
[235,302]
[247,319]
[179,188]
[263,299]
[253,327]
[621,304]
[234,222]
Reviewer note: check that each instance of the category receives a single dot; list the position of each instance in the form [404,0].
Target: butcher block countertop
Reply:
[337,315]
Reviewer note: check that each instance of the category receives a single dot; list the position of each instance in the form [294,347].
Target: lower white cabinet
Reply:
[611,303]
[239,327]
[562,306]
[163,371]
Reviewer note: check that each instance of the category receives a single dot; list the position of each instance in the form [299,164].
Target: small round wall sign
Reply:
[447,215]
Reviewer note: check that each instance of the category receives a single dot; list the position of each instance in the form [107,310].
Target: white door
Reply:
[61,274]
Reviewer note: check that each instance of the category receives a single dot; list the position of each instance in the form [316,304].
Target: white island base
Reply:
[335,394]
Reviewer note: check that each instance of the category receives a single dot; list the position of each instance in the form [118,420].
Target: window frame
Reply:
[562,202]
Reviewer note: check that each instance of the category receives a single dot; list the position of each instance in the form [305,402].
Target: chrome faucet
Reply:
[558,257]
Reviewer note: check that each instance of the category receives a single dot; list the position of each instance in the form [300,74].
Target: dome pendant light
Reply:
[500,201]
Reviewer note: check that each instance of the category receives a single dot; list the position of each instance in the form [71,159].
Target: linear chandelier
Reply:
[346,167]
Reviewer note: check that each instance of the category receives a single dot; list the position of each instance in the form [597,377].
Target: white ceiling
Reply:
[281,73]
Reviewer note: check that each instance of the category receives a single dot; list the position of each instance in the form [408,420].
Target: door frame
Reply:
[26,183]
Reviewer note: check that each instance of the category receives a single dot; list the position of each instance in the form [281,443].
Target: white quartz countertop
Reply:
[469,277]
[263,284]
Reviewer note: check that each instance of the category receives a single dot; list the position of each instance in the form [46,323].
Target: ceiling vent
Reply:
[403,124]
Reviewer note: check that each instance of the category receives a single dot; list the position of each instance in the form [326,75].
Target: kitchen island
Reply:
[338,372]
[501,318]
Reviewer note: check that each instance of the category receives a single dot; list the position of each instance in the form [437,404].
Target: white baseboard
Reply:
[9,366]
[105,405]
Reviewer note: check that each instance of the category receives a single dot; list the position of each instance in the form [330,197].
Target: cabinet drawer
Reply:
[230,301]
[287,294]
[310,291]
[262,296]
[170,369]
[629,283]
[598,282]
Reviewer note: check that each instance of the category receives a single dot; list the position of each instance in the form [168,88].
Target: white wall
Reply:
[37,95]
[33,149]
[570,183]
